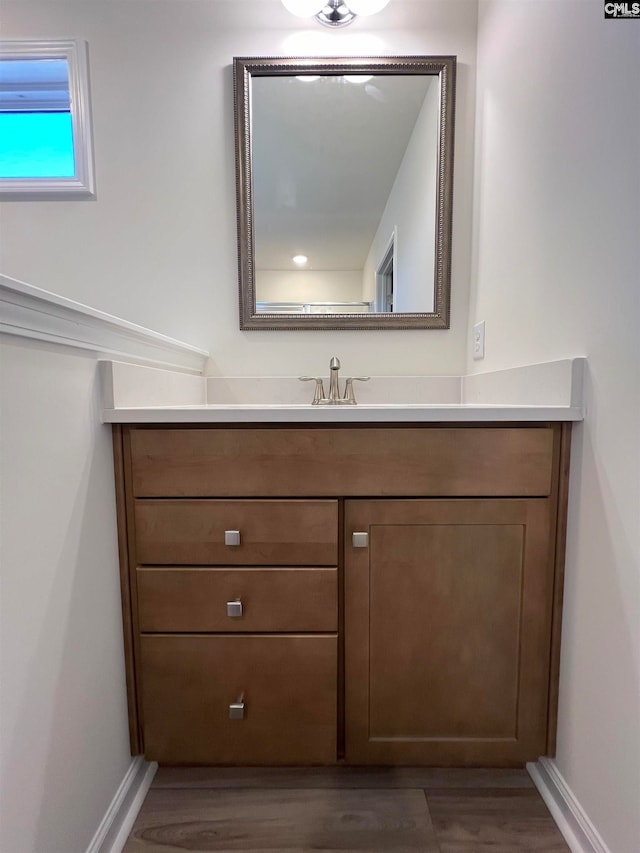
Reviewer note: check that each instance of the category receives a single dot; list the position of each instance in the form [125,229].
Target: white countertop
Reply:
[366,413]
[551,391]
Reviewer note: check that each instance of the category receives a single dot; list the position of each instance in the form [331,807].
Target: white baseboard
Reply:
[119,818]
[572,820]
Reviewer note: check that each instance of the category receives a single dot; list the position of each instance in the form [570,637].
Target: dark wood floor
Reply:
[395,810]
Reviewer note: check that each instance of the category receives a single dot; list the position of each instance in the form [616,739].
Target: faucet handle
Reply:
[319,392]
[349,396]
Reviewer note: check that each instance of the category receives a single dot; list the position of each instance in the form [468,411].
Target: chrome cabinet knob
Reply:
[236,709]
[232,537]
[360,540]
[234,608]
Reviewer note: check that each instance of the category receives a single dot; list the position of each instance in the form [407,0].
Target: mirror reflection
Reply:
[348,199]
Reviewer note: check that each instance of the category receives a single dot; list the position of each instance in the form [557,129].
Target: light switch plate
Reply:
[478,341]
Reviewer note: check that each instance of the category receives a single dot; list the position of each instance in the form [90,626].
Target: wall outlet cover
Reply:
[478,341]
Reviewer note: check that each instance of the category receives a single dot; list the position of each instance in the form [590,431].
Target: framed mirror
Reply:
[344,173]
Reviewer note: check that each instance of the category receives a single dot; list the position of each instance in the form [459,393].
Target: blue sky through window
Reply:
[36,145]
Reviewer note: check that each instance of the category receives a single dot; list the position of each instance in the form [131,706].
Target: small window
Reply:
[45,129]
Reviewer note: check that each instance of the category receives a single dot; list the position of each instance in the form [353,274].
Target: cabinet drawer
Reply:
[288,685]
[272,533]
[195,599]
[369,461]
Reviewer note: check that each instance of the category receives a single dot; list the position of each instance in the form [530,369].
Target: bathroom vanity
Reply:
[363,592]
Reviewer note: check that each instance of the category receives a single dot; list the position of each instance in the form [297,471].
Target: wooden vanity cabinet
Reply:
[431,638]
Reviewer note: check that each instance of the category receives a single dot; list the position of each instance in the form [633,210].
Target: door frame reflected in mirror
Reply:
[247,68]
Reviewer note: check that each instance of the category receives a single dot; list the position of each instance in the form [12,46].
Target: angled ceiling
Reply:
[325,155]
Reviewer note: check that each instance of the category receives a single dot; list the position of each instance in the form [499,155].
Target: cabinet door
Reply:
[447,631]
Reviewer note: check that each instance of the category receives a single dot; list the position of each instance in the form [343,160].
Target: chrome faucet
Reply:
[334,398]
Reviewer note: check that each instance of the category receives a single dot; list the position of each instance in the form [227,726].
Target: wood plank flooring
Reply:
[338,810]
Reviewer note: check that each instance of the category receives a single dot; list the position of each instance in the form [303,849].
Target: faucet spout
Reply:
[334,383]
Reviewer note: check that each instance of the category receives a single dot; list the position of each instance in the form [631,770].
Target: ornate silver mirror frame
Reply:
[244,71]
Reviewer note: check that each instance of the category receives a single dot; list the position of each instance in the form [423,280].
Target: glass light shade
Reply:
[366,7]
[304,8]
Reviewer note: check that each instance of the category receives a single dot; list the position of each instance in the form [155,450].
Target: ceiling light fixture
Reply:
[334,13]
[300,260]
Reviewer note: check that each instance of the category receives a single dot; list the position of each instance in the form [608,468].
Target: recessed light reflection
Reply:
[308,78]
[300,260]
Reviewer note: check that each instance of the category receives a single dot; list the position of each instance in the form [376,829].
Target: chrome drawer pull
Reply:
[232,537]
[236,709]
[234,608]
[360,540]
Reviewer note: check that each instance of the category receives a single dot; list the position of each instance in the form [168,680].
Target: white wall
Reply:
[63,720]
[309,285]
[158,247]
[556,273]
[410,211]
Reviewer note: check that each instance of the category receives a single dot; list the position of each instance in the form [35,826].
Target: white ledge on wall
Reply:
[30,312]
